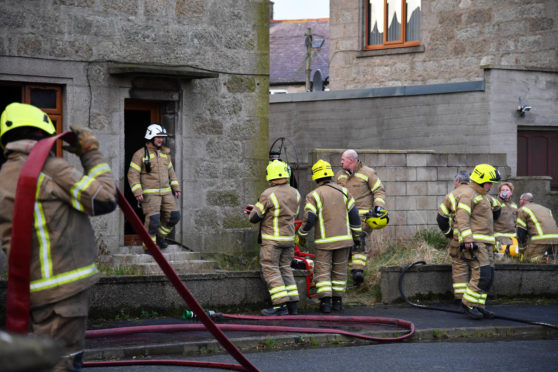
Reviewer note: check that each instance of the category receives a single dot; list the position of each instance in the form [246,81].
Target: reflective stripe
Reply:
[43,237]
[64,278]
[333,239]
[170,165]
[482,298]
[444,210]
[507,235]
[471,296]
[279,238]
[464,207]
[477,199]
[452,201]
[342,176]
[363,211]
[350,204]
[361,176]
[520,222]
[535,221]
[98,170]
[379,200]
[260,207]
[339,285]
[77,188]
[157,191]
[324,286]
[278,292]
[173,183]
[485,238]
[135,166]
[275,215]
[466,232]
[358,259]
[311,207]
[545,236]
[164,231]
[136,186]
[459,287]
[320,215]
[292,290]
[376,185]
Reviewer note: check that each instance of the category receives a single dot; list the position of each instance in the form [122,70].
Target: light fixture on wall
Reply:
[523,107]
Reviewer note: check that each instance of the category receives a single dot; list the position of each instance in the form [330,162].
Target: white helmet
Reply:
[155,130]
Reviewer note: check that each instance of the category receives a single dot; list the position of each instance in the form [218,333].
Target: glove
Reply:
[356,247]
[300,241]
[248,208]
[378,211]
[86,141]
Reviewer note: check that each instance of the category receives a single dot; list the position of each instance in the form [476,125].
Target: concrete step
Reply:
[135,259]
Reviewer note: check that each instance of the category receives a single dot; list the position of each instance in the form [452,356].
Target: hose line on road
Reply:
[426,307]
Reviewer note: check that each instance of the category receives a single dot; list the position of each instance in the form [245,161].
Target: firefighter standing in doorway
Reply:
[368,191]
[63,248]
[474,221]
[536,231]
[276,209]
[445,219]
[331,210]
[154,184]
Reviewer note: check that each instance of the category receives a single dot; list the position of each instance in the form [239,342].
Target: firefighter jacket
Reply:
[447,210]
[277,209]
[504,226]
[538,222]
[474,220]
[63,249]
[364,185]
[331,210]
[160,180]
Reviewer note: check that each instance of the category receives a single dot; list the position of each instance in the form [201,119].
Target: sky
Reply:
[300,9]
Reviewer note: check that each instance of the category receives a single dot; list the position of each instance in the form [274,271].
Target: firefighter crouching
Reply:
[153,182]
[474,221]
[276,209]
[331,210]
[63,247]
[369,194]
[536,231]
[445,219]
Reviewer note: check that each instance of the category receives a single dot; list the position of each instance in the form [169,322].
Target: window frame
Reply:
[402,43]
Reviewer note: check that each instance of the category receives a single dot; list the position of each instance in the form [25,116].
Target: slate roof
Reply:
[287,50]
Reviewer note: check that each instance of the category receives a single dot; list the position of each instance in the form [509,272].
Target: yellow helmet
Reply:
[485,173]
[321,169]
[18,115]
[276,169]
[377,220]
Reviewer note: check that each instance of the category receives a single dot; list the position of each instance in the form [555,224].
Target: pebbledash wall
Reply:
[416,182]
[207,64]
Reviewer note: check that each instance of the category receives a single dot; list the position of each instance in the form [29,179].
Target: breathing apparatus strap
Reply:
[18,299]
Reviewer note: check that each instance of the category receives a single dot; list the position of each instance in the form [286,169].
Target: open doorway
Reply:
[138,114]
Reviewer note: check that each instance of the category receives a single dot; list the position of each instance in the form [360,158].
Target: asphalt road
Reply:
[505,356]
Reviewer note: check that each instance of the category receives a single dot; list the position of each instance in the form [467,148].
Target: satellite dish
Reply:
[317,81]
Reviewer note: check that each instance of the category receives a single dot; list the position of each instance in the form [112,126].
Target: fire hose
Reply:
[18,299]
[426,307]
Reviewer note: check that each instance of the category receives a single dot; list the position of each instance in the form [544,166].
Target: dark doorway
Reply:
[138,115]
[537,154]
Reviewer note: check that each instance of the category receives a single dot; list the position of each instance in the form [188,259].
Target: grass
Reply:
[426,245]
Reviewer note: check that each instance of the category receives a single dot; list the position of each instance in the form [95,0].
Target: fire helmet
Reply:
[485,173]
[19,115]
[276,169]
[377,219]
[155,130]
[321,169]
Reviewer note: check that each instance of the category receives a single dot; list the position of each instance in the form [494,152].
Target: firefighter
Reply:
[63,248]
[368,191]
[276,209]
[331,210]
[474,221]
[153,182]
[504,226]
[445,219]
[536,231]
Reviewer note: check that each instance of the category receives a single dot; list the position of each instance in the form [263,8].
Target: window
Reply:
[384,28]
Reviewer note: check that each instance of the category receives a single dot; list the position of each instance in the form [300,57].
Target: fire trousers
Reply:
[330,272]
[459,270]
[482,276]
[534,253]
[277,272]
[358,258]
[160,213]
[65,321]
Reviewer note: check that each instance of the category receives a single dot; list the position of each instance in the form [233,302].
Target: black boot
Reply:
[280,309]
[337,304]
[472,312]
[162,242]
[325,305]
[291,306]
[485,313]
[358,277]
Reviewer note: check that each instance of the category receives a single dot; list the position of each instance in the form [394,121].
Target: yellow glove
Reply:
[86,141]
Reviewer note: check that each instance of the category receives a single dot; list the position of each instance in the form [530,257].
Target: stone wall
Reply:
[457,37]
[206,62]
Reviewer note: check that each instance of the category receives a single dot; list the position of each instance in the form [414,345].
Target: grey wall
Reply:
[219,122]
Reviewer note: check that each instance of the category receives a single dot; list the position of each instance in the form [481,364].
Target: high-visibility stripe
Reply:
[351,204]
[477,199]
[452,201]
[310,207]
[157,191]
[376,185]
[520,222]
[320,214]
[64,278]
[535,221]
[275,214]
[358,259]
[544,236]
[362,176]
[292,290]
[471,296]
[342,176]
[278,238]
[333,239]
[464,207]
[43,236]
[173,183]
[324,286]
[98,170]
[482,298]
[170,165]
[484,238]
[444,210]
[506,235]
[135,166]
[379,200]
[338,285]
[136,186]
[466,232]
[260,206]
[459,287]
[363,211]
[164,230]
[84,183]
